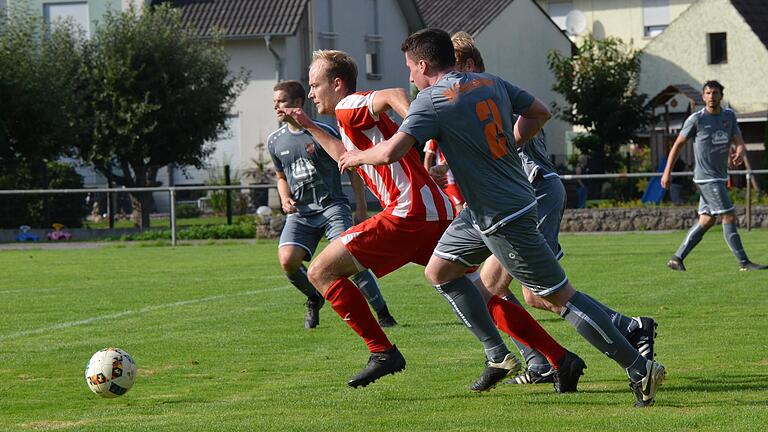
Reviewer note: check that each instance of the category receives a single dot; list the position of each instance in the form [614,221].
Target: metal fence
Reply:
[172,191]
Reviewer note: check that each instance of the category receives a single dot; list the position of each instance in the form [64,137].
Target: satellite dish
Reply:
[575,22]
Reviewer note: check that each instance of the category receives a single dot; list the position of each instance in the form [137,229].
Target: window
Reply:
[558,11]
[77,12]
[655,17]
[718,48]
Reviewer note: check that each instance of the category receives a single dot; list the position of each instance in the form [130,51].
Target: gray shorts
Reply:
[306,231]
[518,245]
[550,201]
[714,199]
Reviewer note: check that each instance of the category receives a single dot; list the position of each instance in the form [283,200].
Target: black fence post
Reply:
[228,195]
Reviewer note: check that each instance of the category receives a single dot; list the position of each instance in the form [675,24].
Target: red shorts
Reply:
[454,194]
[384,243]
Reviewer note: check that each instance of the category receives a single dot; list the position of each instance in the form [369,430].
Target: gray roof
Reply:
[460,15]
[755,13]
[240,19]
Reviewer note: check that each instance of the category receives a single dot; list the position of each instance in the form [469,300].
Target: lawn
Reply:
[217,334]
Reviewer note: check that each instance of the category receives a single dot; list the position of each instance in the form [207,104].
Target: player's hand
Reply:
[439,174]
[349,160]
[297,117]
[289,206]
[665,180]
[737,158]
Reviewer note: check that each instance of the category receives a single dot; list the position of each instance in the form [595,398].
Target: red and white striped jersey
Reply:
[404,188]
[432,147]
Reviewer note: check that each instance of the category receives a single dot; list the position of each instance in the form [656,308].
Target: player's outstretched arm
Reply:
[361,206]
[674,152]
[332,145]
[394,98]
[383,153]
[531,121]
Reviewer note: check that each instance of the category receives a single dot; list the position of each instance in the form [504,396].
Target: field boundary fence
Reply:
[172,191]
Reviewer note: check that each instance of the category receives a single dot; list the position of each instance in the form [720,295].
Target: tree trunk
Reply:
[142,203]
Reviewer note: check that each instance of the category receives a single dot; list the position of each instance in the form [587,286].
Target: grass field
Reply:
[217,335]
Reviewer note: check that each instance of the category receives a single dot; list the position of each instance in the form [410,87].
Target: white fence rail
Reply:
[173,190]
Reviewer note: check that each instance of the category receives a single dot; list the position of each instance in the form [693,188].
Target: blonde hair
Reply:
[465,49]
[338,65]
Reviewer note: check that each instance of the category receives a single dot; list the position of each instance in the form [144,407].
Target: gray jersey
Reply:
[535,158]
[313,176]
[712,135]
[470,115]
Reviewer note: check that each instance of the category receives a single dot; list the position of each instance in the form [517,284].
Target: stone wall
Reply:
[644,219]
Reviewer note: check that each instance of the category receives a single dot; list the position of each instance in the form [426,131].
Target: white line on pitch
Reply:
[134,312]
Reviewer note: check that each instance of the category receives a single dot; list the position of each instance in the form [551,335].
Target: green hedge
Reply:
[199,232]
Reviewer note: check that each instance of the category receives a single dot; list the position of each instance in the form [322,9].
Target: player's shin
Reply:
[469,306]
[594,325]
[515,321]
[345,298]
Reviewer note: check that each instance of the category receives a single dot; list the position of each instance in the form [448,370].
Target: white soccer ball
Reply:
[264,211]
[110,373]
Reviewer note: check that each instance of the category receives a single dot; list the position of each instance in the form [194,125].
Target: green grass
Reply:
[217,334]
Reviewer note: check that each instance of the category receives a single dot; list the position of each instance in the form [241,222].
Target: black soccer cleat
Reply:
[312,319]
[379,364]
[676,263]
[750,266]
[387,321]
[495,372]
[533,377]
[643,337]
[570,369]
[645,389]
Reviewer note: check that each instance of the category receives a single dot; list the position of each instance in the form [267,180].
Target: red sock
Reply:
[347,300]
[518,323]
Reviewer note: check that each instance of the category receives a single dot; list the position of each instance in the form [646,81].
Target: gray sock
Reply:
[534,360]
[300,281]
[694,236]
[733,239]
[623,323]
[473,312]
[366,282]
[594,325]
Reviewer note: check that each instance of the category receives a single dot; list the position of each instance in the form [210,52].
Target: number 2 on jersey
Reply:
[494,133]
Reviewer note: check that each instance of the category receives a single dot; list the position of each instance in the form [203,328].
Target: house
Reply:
[514,37]
[634,21]
[732,49]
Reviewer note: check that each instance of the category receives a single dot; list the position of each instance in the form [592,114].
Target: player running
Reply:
[470,115]
[414,216]
[310,191]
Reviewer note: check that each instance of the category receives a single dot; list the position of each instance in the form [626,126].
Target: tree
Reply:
[40,80]
[160,96]
[599,84]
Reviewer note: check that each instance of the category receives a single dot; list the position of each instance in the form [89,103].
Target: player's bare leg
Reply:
[290,258]
[330,272]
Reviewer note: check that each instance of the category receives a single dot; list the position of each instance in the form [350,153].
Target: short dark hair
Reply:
[293,89]
[713,85]
[431,45]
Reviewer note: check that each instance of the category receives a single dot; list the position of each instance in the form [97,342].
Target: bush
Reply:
[198,232]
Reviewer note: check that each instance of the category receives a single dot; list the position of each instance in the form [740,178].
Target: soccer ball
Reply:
[110,373]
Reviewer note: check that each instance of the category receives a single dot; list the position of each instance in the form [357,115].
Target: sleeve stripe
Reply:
[329,129]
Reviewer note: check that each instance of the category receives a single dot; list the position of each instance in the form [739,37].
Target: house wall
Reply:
[681,55]
[618,18]
[523,60]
